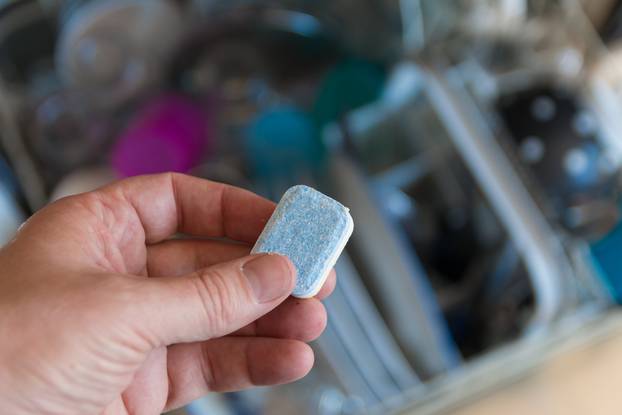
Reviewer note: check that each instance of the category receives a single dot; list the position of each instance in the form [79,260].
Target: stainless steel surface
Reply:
[471,262]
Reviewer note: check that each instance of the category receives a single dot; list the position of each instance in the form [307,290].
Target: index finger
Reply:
[165,204]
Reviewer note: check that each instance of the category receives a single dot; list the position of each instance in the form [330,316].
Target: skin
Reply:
[101,312]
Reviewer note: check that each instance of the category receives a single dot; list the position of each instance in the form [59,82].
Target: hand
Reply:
[101,312]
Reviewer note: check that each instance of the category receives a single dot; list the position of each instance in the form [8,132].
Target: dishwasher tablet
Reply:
[311,229]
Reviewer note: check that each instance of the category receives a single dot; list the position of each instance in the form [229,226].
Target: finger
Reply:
[214,301]
[164,204]
[328,287]
[295,318]
[182,256]
[148,384]
[233,363]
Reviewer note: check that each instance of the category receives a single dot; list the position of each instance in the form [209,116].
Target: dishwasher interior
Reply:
[476,143]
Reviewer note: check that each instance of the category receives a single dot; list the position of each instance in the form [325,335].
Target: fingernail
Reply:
[270,277]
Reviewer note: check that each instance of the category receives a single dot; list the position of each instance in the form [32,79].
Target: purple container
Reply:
[170,133]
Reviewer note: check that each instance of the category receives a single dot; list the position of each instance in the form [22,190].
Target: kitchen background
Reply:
[478,144]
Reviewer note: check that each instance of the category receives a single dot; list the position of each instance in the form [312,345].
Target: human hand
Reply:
[101,312]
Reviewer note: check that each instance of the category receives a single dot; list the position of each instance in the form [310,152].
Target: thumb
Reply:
[217,300]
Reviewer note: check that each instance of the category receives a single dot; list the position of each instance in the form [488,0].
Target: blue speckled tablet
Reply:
[311,229]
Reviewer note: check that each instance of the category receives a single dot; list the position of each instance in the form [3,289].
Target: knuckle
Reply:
[217,298]
[89,202]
